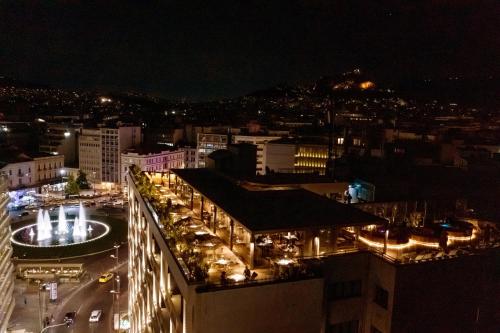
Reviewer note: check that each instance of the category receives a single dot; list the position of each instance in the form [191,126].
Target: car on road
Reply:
[95,316]
[70,318]
[105,277]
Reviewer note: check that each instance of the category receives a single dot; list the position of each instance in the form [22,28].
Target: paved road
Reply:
[94,296]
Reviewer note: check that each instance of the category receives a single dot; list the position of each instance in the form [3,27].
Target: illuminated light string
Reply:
[15,232]
[413,242]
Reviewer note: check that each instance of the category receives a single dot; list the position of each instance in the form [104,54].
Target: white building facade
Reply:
[100,152]
[160,161]
[6,267]
[31,172]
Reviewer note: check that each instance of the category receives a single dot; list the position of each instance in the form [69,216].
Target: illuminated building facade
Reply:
[236,257]
[309,155]
[100,151]
[151,160]
[6,267]
[25,171]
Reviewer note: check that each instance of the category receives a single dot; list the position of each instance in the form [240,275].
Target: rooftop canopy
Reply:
[273,210]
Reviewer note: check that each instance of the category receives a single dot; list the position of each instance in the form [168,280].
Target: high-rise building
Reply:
[100,151]
[6,267]
[244,257]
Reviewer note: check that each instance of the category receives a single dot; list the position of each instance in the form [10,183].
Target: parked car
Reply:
[105,277]
[95,315]
[70,318]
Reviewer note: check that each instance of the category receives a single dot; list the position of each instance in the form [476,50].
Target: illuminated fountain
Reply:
[62,231]
[83,220]
[62,225]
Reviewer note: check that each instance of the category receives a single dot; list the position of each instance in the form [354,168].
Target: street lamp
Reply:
[62,172]
[117,277]
[41,307]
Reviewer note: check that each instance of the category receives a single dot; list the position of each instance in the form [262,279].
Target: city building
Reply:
[33,170]
[189,156]
[60,139]
[300,155]
[155,159]
[260,141]
[236,256]
[207,143]
[100,152]
[6,267]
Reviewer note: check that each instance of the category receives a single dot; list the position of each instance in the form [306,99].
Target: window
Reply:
[344,327]
[381,296]
[345,289]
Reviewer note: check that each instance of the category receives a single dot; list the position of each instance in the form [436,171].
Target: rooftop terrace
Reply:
[223,234]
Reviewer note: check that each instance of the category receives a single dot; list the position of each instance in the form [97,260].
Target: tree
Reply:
[72,186]
[81,180]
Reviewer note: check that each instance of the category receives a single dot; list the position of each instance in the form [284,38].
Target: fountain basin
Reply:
[25,236]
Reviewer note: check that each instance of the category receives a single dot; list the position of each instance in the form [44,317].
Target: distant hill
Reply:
[10,82]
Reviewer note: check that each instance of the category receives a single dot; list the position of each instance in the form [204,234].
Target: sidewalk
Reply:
[26,310]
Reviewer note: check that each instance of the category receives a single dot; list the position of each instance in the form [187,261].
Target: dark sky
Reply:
[207,49]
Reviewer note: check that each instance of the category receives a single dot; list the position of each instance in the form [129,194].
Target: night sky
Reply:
[210,49]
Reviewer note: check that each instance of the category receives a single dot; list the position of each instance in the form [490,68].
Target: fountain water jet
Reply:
[47,226]
[40,226]
[62,225]
[76,228]
[83,219]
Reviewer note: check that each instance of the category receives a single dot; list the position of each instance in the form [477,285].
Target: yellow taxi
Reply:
[105,277]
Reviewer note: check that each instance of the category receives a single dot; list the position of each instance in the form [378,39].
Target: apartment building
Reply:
[189,156]
[238,257]
[34,170]
[260,141]
[153,159]
[6,267]
[100,151]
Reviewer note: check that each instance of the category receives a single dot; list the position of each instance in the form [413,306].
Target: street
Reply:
[94,296]
[84,297]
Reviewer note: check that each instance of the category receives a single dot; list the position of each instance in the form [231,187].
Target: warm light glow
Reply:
[105,100]
[411,242]
[381,245]
[463,238]
[284,261]
[366,85]
[426,244]
[237,277]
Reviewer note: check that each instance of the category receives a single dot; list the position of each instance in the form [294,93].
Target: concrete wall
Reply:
[458,295]
[292,307]
[383,274]
[280,157]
